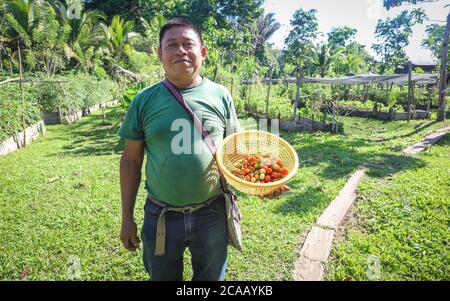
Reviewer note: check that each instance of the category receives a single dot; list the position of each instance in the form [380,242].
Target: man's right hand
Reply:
[128,235]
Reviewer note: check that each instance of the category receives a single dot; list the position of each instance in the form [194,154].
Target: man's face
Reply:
[181,53]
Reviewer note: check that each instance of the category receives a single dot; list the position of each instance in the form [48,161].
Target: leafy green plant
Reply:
[16,115]
[130,93]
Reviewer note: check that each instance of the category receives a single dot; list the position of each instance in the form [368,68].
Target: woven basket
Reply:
[234,147]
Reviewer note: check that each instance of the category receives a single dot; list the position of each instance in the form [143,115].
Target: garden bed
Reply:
[300,124]
[55,118]
[418,114]
[22,138]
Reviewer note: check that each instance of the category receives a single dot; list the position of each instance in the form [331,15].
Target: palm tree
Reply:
[19,18]
[349,63]
[324,57]
[118,34]
[152,28]
[86,33]
[265,28]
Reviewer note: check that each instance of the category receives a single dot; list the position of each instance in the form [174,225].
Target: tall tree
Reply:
[393,36]
[134,9]
[265,28]
[299,42]
[444,53]
[341,36]
[433,39]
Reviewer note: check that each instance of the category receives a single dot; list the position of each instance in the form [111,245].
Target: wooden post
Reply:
[443,80]
[333,124]
[1,61]
[59,108]
[413,100]
[268,93]
[297,94]
[429,99]
[23,100]
[216,68]
[231,92]
[248,96]
[387,92]
[409,90]
[366,95]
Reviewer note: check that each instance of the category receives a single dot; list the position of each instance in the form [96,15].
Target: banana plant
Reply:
[117,35]
[151,30]
[324,57]
[86,35]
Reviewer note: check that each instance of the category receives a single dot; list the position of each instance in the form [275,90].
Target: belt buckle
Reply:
[187,210]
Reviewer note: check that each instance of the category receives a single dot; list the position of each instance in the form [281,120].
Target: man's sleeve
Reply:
[131,127]
[232,119]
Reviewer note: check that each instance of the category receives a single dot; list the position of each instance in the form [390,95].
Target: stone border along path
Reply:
[17,141]
[429,140]
[316,248]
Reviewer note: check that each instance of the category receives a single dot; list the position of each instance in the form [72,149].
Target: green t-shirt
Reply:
[180,169]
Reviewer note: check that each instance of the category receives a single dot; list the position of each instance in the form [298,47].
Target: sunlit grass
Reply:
[59,197]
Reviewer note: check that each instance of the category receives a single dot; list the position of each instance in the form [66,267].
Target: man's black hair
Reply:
[179,22]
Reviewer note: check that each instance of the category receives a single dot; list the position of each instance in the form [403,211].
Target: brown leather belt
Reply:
[160,247]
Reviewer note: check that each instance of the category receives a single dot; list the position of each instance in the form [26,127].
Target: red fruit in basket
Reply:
[260,169]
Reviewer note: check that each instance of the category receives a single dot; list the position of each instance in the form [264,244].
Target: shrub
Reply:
[16,115]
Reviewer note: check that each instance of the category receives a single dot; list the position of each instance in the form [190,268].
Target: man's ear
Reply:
[203,51]
[159,54]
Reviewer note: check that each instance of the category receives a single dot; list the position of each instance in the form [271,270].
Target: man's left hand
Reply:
[276,193]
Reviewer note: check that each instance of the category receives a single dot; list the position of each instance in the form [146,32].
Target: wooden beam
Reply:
[409,90]
[297,94]
[9,80]
[443,80]
[268,95]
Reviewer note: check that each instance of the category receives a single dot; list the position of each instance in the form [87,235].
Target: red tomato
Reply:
[268,170]
[284,171]
[274,175]
[267,179]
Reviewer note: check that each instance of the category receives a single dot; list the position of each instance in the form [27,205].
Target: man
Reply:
[185,205]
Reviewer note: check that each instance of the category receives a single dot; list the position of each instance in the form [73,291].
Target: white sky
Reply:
[359,14]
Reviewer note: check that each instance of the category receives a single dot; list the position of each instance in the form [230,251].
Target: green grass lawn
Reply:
[402,228]
[59,197]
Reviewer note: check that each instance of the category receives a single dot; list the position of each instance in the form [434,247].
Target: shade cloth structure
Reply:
[364,78]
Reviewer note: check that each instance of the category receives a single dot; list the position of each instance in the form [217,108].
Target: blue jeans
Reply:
[204,232]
